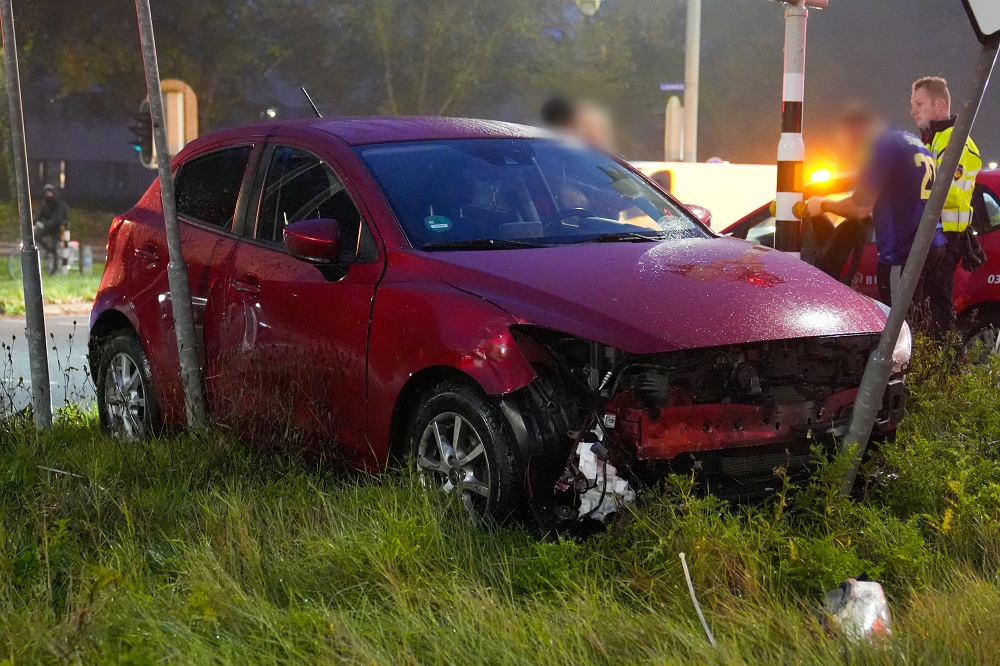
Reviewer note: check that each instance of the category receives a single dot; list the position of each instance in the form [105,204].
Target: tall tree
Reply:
[448,55]
[219,47]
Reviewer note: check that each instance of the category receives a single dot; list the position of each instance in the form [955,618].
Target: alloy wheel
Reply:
[125,398]
[452,456]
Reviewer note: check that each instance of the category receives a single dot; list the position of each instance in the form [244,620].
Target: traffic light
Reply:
[142,128]
[180,110]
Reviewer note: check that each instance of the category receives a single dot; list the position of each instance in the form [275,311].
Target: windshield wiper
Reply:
[628,237]
[479,244]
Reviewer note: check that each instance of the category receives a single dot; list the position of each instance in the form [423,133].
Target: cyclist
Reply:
[52,221]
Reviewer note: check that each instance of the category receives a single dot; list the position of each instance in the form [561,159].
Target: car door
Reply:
[973,291]
[297,331]
[207,188]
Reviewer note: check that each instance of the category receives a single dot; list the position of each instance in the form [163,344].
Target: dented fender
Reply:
[420,326]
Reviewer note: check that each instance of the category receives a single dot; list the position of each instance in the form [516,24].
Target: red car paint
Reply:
[674,295]
[675,431]
[340,354]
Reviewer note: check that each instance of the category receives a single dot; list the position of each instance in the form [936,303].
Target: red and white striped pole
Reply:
[792,149]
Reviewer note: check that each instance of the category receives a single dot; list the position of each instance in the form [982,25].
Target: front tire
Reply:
[126,398]
[461,442]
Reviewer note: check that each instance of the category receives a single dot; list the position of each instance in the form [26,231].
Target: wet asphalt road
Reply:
[68,375]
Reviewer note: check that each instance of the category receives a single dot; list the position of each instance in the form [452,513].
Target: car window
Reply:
[762,233]
[538,192]
[208,187]
[992,212]
[300,186]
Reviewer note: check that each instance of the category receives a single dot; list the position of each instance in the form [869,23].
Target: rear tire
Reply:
[460,442]
[982,337]
[126,398]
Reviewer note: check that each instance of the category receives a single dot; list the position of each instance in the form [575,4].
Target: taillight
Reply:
[115,226]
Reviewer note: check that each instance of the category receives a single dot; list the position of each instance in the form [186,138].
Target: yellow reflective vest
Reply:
[957,215]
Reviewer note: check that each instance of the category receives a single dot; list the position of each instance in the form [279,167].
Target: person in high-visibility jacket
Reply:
[931,110]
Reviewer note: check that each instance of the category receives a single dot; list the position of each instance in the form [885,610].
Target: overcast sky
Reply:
[857,48]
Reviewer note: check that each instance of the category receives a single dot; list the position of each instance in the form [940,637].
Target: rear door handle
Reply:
[245,287]
[147,254]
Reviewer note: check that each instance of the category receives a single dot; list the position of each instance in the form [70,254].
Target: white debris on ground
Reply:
[606,491]
[860,609]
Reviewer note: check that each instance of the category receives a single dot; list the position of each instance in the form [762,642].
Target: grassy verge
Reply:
[199,550]
[70,289]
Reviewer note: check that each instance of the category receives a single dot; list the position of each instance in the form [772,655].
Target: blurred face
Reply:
[924,109]
[594,127]
[853,140]
[49,194]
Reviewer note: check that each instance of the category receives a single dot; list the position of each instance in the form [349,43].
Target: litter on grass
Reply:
[860,609]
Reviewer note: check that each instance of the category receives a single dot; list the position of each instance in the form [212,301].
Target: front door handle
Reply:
[245,286]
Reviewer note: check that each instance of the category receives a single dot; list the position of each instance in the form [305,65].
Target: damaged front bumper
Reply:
[730,416]
[665,434]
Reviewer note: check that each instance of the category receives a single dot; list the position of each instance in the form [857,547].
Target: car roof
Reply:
[361,130]
[990,178]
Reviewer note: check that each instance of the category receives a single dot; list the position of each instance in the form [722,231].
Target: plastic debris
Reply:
[860,609]
[604,490]
[694,600]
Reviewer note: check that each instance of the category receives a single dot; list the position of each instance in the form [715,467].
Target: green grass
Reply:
[70,289]
[200,550]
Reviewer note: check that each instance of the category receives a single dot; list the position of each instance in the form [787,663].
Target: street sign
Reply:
[985,17]
[672,87]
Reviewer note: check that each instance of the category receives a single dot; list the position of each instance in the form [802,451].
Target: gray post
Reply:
[31,274]
[177,275]
[879,369]
[692,77]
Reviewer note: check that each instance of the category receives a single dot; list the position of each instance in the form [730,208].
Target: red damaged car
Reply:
[509,310]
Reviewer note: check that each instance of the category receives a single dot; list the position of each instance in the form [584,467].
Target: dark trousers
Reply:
[941,286]
[888,277]
[49,255]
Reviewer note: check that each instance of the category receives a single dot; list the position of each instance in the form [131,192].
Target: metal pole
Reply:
[673,130]
[31,274]
[879,369]
[791,149]
[692,74]
[177,275]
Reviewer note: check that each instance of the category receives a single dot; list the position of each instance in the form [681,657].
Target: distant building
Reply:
[91,161]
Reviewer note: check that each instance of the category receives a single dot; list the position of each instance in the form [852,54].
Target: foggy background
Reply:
[82,72]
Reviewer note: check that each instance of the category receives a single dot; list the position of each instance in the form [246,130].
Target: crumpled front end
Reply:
[731,416]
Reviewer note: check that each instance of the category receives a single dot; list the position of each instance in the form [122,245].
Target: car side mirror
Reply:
[703,214]
[316,241]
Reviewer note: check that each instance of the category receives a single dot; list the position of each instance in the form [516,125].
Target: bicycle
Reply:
[62,261]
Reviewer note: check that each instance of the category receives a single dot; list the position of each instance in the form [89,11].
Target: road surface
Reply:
[68,374]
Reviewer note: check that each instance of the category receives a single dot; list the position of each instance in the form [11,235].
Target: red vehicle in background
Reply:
[848,253]
[482,299]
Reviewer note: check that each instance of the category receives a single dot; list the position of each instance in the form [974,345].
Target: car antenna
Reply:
[311,102]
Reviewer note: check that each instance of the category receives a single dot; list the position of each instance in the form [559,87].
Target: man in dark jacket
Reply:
[52,219]
[893,189]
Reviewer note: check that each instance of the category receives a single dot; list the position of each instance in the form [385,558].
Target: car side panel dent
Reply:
[416,326]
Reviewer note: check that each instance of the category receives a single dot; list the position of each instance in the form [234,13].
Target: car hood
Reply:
[654,297]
